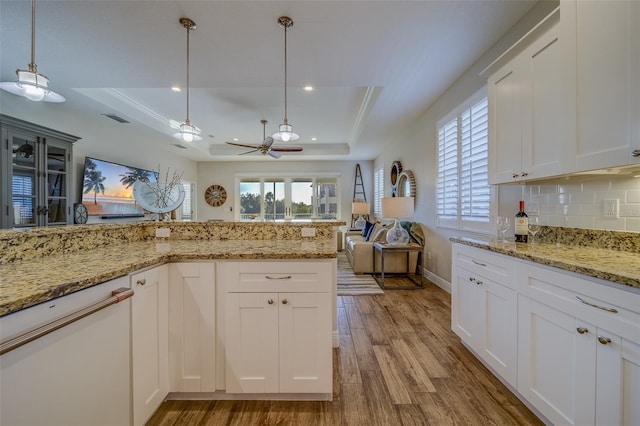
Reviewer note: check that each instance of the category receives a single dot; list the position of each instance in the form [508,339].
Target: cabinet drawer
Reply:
[613,309]
[495,267]
[278,276]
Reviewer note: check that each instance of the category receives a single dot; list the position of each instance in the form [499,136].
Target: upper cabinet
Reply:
[36,175]
[530,108]
[607,42]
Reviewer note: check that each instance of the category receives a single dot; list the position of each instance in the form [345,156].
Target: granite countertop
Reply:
[610,265]
[30,282]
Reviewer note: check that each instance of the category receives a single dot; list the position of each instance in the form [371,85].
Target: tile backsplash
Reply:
[579,202]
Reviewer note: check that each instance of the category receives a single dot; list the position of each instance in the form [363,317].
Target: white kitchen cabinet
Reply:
[192,327]
[484,308]
[278,327]
[150,334]
[607,56]
[578,360]
[531,113]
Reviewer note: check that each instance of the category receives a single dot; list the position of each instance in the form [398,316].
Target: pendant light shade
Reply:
[31,84]
[188,132]
[285,132]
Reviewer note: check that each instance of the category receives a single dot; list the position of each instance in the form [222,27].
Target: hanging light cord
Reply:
[285,74]
[188,31]
[32,65]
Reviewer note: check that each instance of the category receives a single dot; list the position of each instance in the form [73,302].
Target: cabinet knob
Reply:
[472,279]
[635,153]
[142,281]
[285,301]
[270,301]
[524,174]
[604,340]
[582,330]
[479,282]
[515,176]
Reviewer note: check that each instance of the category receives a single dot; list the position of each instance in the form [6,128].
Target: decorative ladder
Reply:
[358,193]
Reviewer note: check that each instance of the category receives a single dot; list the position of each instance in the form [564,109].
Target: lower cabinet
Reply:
[192,327]
[278,327]
[484,312]
[149,336]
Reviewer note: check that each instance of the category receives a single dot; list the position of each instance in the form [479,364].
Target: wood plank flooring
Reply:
[398,363]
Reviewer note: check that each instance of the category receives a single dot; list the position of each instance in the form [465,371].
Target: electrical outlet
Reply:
[308,232]
[163,232]
[611,208]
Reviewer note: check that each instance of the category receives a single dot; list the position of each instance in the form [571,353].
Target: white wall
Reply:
[101,138]
[418,149]
[223,173]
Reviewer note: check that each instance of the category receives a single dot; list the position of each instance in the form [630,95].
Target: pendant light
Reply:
[285,133]
[31,84]
[188,132]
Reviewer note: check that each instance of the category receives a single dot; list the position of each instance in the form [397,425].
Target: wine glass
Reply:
[534,228]
[503,225]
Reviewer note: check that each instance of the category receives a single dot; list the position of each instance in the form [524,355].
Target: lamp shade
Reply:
[397,207]
[360,207]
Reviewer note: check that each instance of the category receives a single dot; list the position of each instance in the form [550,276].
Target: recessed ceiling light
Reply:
[176,89]
[236,139]
[308,88]
[314,139]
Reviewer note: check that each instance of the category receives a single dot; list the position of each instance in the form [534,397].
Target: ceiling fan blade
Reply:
[249,152]
[242,145]
[274,154]
[287,148]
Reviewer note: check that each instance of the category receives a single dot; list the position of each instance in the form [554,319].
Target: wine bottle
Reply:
[521,225]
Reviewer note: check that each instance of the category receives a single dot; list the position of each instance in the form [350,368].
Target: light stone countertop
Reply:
[27,283]
[620,267]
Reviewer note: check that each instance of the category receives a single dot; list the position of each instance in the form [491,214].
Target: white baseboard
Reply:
[437,280]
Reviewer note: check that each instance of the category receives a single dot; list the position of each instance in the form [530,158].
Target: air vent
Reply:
[177,145]
[116,118]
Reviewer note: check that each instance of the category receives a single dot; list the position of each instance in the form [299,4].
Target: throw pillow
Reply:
[381,236]
[367,227]
[416,233]
[373,231]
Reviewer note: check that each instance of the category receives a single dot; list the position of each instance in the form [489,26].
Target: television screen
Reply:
[107,188]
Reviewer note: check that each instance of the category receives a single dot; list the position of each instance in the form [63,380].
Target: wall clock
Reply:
[80,214]
[215,195]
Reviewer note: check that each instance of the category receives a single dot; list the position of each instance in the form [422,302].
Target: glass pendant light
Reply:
[31,84]
[188,132]
[285,132]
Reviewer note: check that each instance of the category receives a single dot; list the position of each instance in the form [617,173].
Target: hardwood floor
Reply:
[398,363]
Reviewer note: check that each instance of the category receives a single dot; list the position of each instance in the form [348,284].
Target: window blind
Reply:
[378,190]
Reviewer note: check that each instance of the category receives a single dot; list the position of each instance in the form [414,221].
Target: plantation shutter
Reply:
[378,190]
[448,170]
[474,166]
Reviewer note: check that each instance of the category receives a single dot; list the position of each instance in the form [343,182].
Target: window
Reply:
[187,206]
[288,197]
[463,193]
[378,190]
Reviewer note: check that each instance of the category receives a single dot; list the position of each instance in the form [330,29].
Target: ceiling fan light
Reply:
[285,133]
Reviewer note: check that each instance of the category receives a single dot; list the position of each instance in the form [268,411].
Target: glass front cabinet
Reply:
[36,179]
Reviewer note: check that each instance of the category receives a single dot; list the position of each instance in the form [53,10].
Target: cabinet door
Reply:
[617,379]
[506,117]
[22,157]
[56,182]
[608,80]
[548,143]
[305,343]
[251,339]
[498,331]
[556,363]
[149,321]
[464,306]
[192,332]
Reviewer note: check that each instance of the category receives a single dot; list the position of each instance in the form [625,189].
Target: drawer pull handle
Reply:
[478,263]
[479,282]
[142,281]
[615,311]
[604,340]
[472,279]
[582,330]
[270,301]
[636,153]
[285,301]
[288,277]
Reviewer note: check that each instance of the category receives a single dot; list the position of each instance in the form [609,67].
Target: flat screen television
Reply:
[107,188]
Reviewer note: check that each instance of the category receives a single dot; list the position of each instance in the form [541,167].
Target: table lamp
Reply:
[397,208]
[360,208]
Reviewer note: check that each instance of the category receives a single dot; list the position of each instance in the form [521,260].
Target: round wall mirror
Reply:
[406,184]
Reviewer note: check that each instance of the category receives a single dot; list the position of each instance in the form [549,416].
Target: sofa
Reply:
[359,249]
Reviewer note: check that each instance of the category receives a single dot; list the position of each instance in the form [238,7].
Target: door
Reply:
[251,339]
[557,358]
[150,352]
[305,343]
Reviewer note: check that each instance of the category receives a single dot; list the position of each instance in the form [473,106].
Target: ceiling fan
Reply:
[266,147]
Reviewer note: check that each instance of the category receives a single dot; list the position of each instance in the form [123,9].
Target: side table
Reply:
[408,249]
